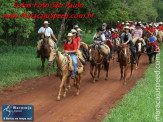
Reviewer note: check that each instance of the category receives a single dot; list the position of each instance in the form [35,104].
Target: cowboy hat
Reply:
[73,31]
[126,27]
[123,23]
[69,34]
[100,29]
[46,22]
[160,23]
[127,23]
[79,29]
[131,28]
[150,24]
[76,26]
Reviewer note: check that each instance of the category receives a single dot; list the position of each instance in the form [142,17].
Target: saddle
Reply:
[70,63]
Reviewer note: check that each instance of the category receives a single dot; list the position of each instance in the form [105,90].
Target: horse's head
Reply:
[150,49]
[53,56]
[45,43]
[139,45]
[125,50]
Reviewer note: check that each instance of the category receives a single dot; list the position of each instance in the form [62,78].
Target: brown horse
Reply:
[96,60]
[124,60]
[64,71]
[45,51]
[115,50]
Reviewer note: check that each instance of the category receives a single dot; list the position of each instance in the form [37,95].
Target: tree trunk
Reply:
[63,23]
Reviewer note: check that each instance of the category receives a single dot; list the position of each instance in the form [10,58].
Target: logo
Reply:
[17,112]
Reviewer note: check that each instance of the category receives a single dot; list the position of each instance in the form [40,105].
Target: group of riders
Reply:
[125,32]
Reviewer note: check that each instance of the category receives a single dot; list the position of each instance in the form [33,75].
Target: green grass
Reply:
[17,64]
[139,104]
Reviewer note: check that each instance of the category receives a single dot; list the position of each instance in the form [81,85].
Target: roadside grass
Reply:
[140,104]
[18,63]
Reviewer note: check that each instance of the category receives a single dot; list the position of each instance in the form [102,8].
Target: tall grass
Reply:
[18,63]
[140,104]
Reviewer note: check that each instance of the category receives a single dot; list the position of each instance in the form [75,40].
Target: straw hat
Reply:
[131,28]
[160,23]
[127,23]
[126,27]
[46,22]
[73,31]
[79,29]
[150,24]
[123,23]
[69,34]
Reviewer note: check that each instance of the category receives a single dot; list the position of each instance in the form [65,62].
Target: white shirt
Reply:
[48,31]
[102,37]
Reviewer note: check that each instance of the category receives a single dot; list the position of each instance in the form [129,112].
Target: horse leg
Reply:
[107,69]
[121,67]
[91,69]
[64,78]
[48,70]
[125,74]
[68,84]
[95,73]
[43,64]
[131,70]
[78,85]
[97,79]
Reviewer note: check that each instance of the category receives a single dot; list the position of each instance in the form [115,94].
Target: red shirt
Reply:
[160,28]
[114,35]
[121,28]
[147,28]
[131,24]
[152,30]
[72,46]
[77,40]
[118,25]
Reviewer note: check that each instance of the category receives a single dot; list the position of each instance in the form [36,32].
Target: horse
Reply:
[159,37]
[84,49]
[150,51]
[45,51]
[139,50]
[115,50]
[96,59]
[125,59]
[64,64]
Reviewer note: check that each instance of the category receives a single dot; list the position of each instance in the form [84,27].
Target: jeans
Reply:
[74,60]
[55,45]
[99,45]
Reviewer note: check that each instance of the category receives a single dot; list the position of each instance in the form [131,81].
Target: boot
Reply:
[38,54]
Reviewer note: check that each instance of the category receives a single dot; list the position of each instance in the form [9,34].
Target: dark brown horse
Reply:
[45,51]
[151,53]
[125,59]
[139,51]
[96,60]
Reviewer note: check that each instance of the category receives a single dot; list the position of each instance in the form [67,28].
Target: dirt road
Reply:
[91,105]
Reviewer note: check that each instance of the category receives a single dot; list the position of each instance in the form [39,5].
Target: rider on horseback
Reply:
[46,32]
[99,39]
[137,35]
[152,40]
[71,48]
[127,39]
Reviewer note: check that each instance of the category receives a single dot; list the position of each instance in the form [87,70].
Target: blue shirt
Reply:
[152,39]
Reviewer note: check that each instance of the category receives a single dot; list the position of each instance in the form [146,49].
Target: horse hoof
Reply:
[64,96]
[58,98]
[93,81]
[106,78]
[77,94]
[97,79]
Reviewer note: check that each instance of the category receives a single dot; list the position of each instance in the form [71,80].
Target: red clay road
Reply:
[91,105]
